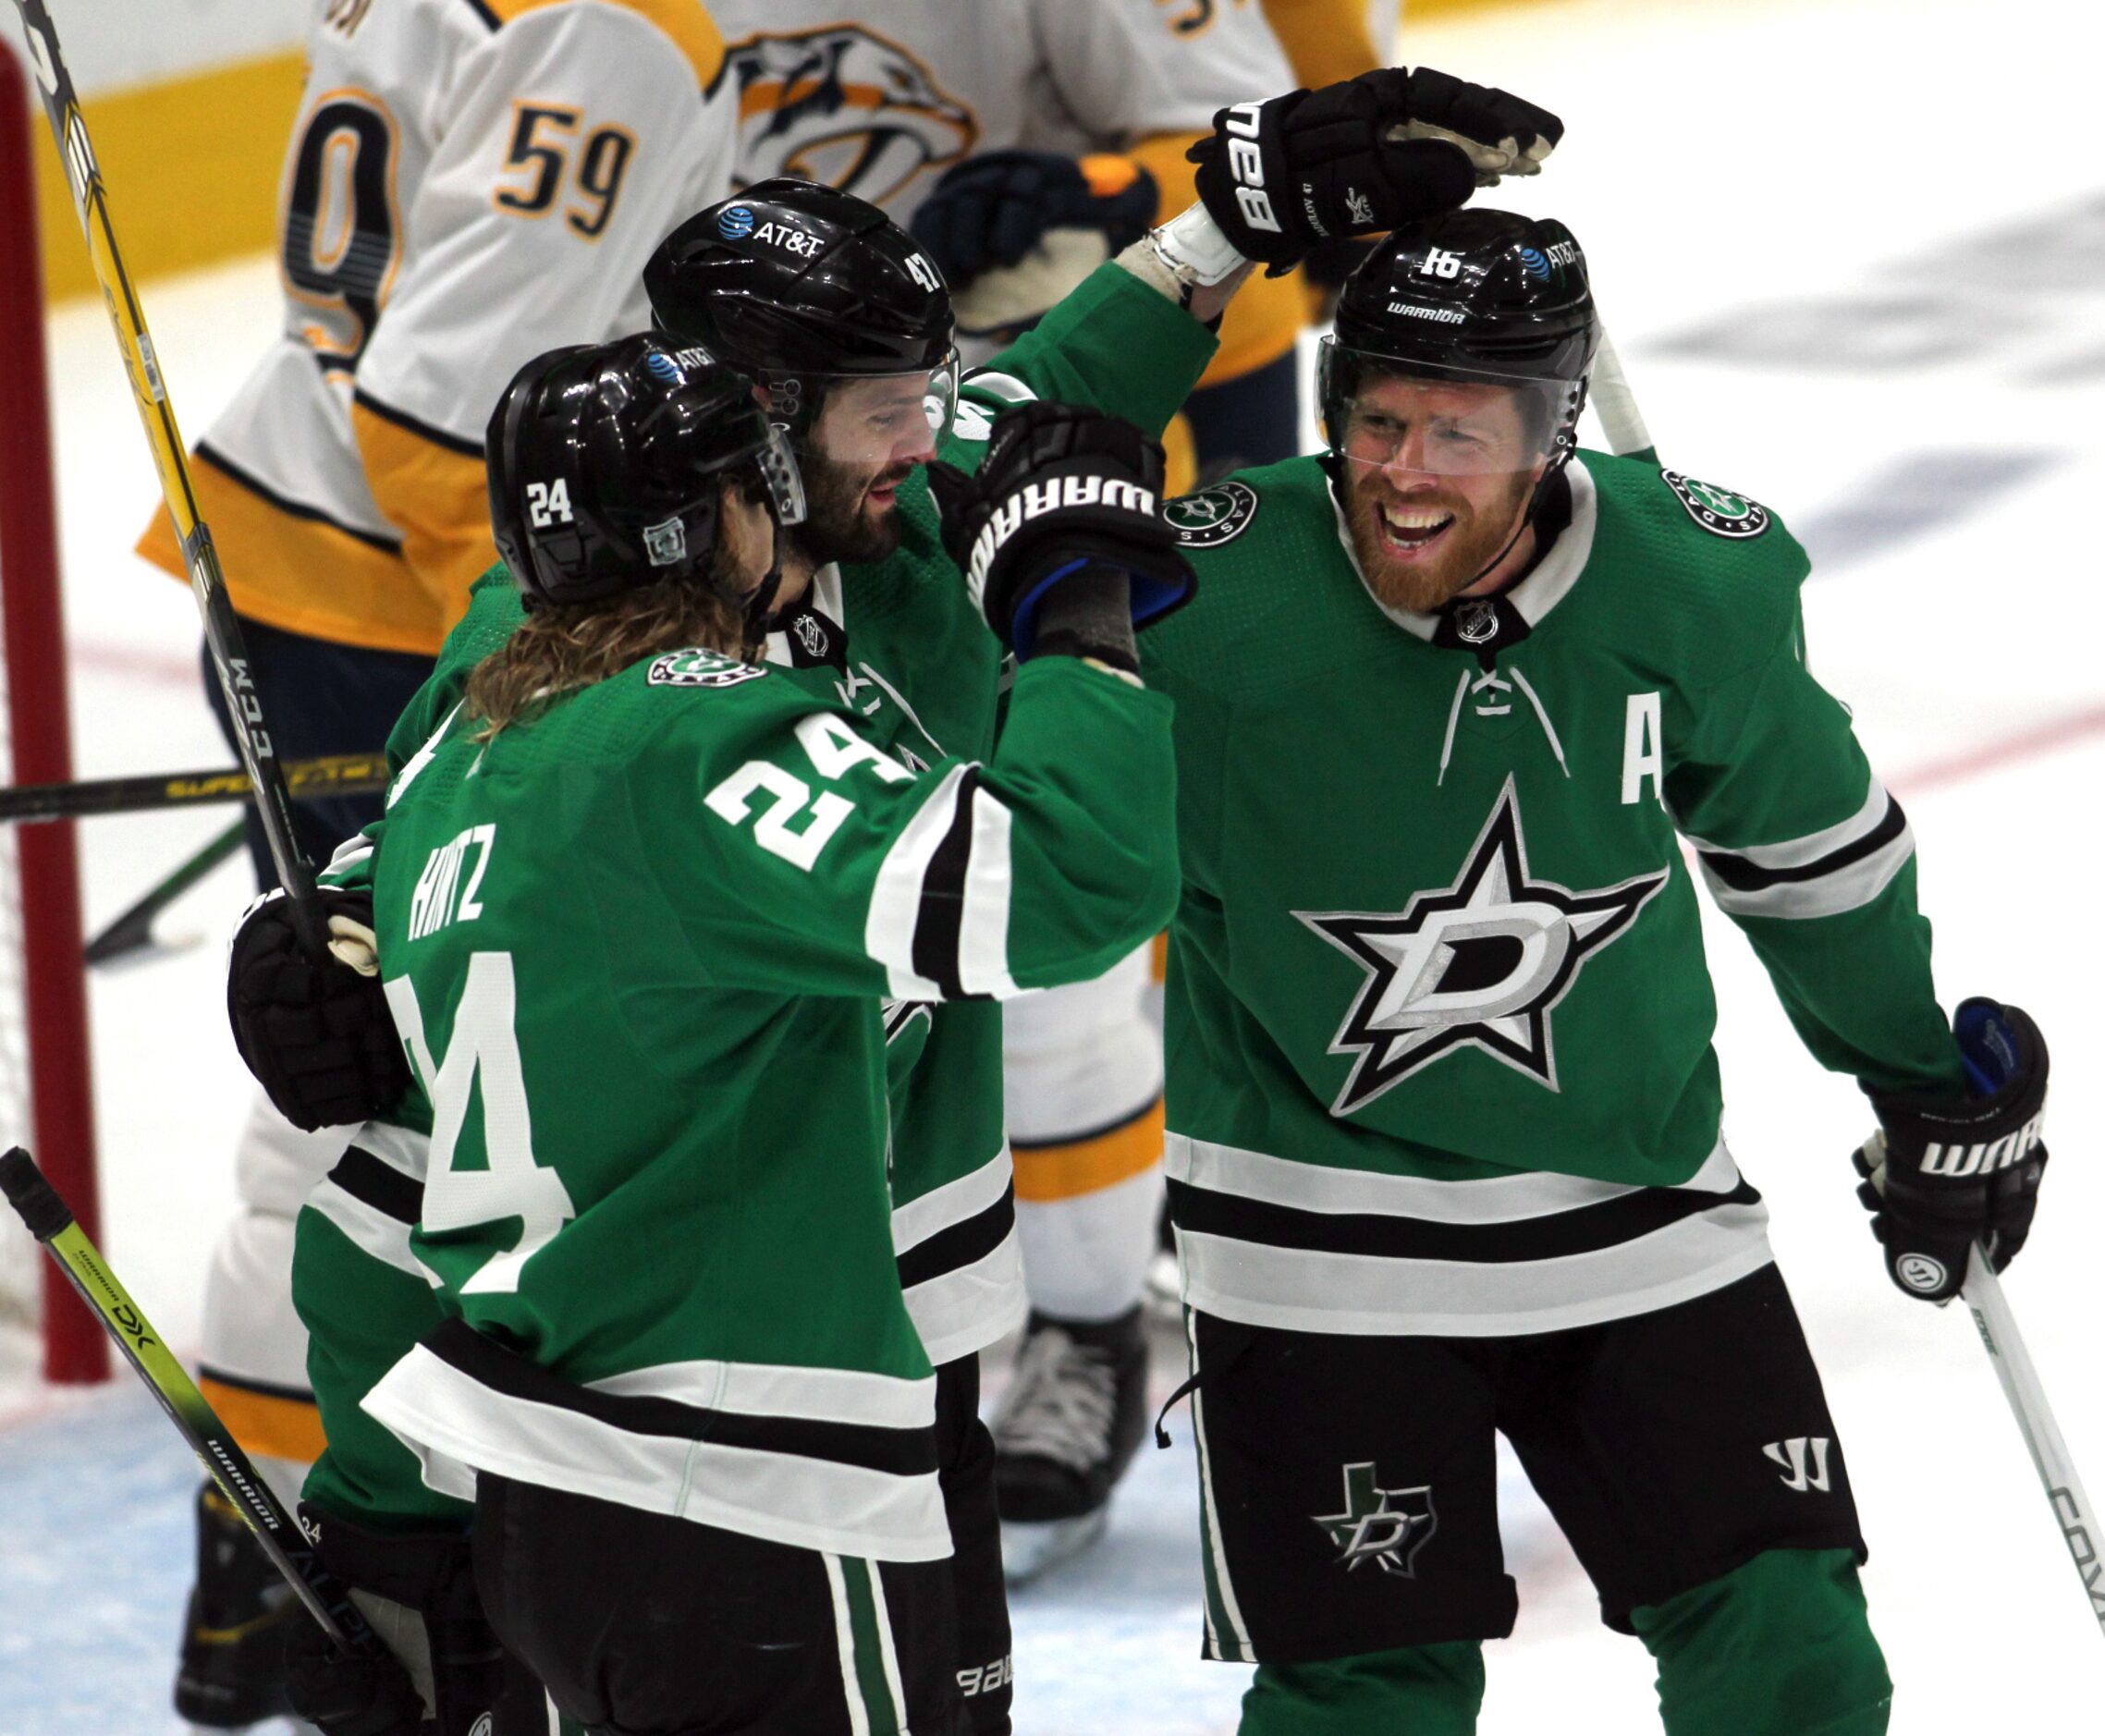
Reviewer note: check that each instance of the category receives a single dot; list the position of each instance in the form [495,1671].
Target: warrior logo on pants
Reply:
[1385,1526]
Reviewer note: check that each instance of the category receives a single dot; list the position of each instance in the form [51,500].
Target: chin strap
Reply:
[760,614]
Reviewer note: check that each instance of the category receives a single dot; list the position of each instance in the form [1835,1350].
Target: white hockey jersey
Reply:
[470,182]
[881,107]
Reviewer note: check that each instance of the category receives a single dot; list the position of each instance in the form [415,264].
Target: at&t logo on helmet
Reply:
[734,224]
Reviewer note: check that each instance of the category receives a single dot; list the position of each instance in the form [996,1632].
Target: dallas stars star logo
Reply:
[1481,962]
[1385,1526]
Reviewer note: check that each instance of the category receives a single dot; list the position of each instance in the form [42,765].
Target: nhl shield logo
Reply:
[1476,621]
[666,543]
[1386,1527]
[1717,510]
[1213,516]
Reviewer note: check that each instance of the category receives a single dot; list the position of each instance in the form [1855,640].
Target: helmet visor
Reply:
[1390,412]
[880,418]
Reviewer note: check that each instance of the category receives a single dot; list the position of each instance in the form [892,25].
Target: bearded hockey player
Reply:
[831,295]
[1444,1148]
[466,185]
[642,980]
[1026,141]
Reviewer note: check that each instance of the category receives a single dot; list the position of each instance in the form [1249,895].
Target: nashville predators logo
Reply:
[841,104]
[1480,964]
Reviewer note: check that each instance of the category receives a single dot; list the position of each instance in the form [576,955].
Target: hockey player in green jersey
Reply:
[1444,1116]
[638,903]
[916,667]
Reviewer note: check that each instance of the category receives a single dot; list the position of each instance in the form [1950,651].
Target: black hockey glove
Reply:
[315,1032]
[447,1675]
[1357,158]
[1060,534]
[1500,133]
[1941,1176]
[992,209]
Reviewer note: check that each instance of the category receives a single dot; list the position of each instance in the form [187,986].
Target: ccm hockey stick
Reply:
[51,1223]
[128,320]
[333,775]
[2072,1511]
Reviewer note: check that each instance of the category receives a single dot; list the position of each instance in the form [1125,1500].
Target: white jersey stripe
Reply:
[1799,852]
[456,1425]
[818,1395]
[953,1202]
[970,1307]
[1496,1200]
[982,935]
[1310,1290]
[371,1230]
[895,900]
[1849,887]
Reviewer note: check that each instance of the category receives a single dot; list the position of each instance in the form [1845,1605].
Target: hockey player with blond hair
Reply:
[468,182]
[1446,1154]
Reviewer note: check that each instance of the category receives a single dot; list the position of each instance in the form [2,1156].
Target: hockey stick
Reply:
[157,416]
[1616,405]
[2073,1512]
[134,928]
[332,775]
[51,1223]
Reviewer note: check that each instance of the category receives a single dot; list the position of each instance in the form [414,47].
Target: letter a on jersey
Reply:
[1482,961]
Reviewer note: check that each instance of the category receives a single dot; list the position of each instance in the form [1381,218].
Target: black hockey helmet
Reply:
[1469,295]
[801,285]
[605,460]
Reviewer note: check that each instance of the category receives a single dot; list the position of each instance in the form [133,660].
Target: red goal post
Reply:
[46,1099]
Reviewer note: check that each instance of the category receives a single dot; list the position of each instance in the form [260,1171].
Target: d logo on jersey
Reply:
[1482,962]
[843,105]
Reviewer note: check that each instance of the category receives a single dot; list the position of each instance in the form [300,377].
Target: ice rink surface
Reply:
[1853,254]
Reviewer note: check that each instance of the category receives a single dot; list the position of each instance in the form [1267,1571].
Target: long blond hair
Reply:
[559,650]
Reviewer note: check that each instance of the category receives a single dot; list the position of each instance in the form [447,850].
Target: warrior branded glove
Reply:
[315,1032]
[991,210]
[1061,534]
[1941,1176]
[1279,178]
[445,1675]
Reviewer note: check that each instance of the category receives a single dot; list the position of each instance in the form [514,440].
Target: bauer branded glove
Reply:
[1941,1176]
[1281,176]
[315,1032]
[1064,515]
[1500,133]
[446,1674]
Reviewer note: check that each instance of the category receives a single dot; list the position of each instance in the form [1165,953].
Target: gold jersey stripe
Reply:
[1048,1173]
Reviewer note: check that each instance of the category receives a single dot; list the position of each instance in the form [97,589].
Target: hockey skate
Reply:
[232,1668]
[1064,1432]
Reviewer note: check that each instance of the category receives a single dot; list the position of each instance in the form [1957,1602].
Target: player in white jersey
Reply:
[469,182]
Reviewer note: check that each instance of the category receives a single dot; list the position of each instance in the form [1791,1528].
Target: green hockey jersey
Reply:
[1438,1018]
[918,673]
[637,951]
